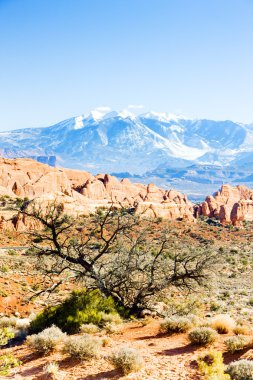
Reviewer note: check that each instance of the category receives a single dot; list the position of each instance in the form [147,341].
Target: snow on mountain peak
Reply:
[98,113]
[78,122]
[126,113]
[164,117]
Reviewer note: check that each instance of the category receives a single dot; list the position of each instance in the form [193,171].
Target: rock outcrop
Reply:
[229,205]
[81,193]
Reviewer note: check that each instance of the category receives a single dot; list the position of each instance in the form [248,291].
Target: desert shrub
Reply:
[237,343]
[202,336]
[112,328]
[80,308]
[22,327]
[22,323]
[146,321]
[52,371]
[241,330]
[176,325]
[82,347]
[8,322]
[5,335]
[106,341]
[184,306]
[7,362]
[4,322]
[89,328]
[250,302]
[212,367]
[215,306]
[223,323]
[240,370]
[111,317]
[47,340]
[126,359]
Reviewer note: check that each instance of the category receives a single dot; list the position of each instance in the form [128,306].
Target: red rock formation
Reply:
[229,205]
[81,193]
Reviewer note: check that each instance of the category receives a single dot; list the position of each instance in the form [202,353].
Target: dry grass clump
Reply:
[242,330]
[176,325]
[20,325]
[203,336]
[89,328]
[8,322]
[240,370]
[52,371]
[47,340]
[146,321]
[111,318]
[106,341]
[237,343]
[126,359]
[82,347]
[223,323]
[112,328]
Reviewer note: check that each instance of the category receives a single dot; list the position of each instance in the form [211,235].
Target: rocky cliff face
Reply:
[81,193]
[229,205]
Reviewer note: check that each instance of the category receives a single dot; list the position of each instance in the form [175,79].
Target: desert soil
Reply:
[165,357]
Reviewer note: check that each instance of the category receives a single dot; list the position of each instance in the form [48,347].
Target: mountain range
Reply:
[165,147]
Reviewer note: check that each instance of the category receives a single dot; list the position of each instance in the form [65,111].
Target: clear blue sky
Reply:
[61,58]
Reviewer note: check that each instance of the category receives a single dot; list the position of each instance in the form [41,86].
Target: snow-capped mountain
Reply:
[105,141]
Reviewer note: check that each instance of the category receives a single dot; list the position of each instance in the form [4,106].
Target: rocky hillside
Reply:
[229,205]
[81,193]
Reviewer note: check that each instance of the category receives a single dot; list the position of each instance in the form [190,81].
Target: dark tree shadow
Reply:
[32,371]
[228,357]
[157,336]
[31,357]
[112,374]
[179,350]
[68,363]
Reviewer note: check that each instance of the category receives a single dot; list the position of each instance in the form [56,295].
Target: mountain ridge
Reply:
[116,142]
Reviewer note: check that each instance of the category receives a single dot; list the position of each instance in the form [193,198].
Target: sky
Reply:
[62,58]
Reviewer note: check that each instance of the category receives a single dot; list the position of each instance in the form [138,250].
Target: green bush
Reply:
[203,336]
[212,367]
[80,308]
[5,335]
[7,362]
[241,370]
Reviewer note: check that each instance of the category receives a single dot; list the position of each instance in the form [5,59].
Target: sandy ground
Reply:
[165,357]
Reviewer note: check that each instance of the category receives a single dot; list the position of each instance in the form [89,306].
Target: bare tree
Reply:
[124,255]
